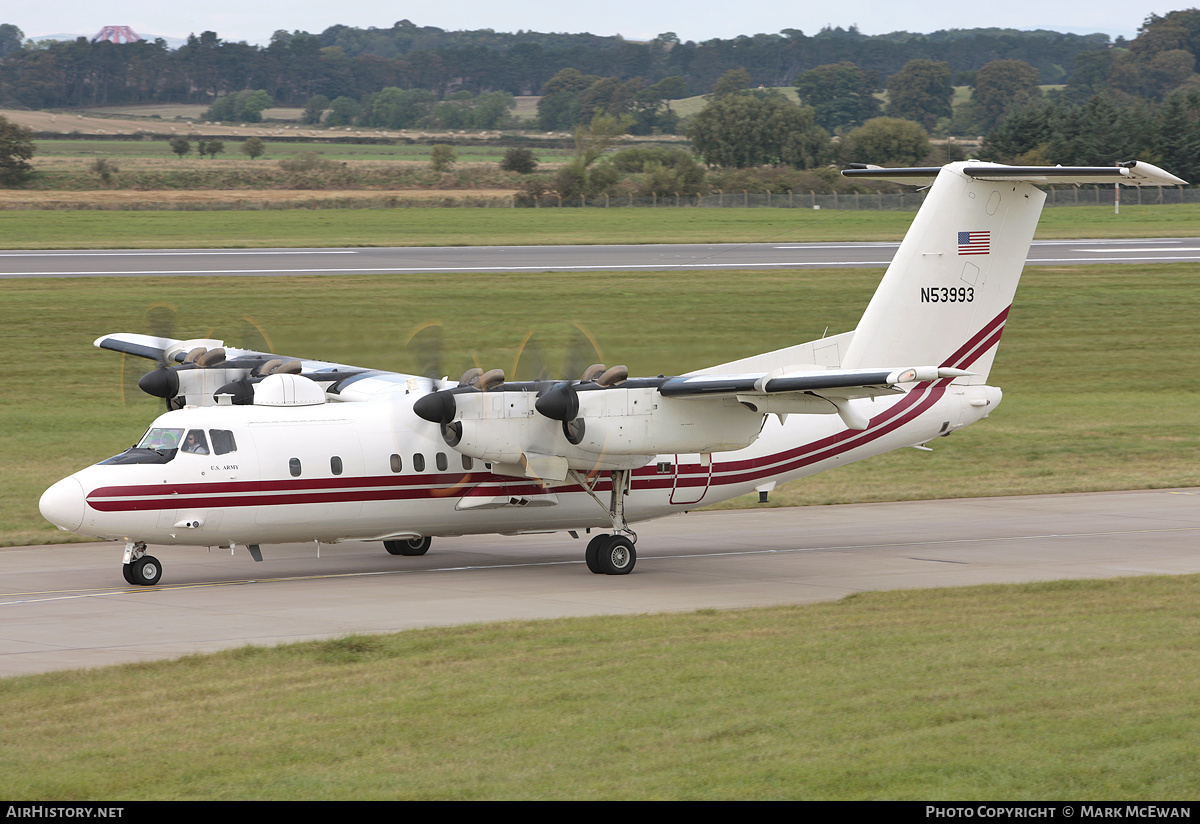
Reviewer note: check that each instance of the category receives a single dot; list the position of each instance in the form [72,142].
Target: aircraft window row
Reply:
[162,438]
[440,460]
[198,443]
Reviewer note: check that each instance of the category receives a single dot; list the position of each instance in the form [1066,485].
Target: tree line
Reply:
[349,62]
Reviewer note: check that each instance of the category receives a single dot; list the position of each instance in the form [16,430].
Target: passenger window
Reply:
[397,464]
[418,462]
[294,467]
[335,465]
[222,441]
[440,459]
[468,464]
[195,442]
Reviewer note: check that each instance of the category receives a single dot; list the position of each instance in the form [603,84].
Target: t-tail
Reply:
[945,297]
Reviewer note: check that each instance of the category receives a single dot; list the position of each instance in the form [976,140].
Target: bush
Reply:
[520,161]
[442,157]
[306,162]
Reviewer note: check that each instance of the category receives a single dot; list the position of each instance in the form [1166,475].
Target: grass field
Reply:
[516,227]
[1079,691]
[1097,362]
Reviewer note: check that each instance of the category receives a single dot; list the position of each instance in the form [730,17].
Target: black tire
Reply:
[146,571]
[592,555]
[415,546]
[616,556]
[127,571]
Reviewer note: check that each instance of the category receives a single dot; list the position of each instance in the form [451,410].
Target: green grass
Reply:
[1078,691]
[1097,362]
[516,227]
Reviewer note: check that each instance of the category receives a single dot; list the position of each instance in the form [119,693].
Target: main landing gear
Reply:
[139,568]
[413,546]
[611,554]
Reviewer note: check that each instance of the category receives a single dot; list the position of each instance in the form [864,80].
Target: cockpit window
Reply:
[195,442]
[222,441]
[161,439]
[158,446]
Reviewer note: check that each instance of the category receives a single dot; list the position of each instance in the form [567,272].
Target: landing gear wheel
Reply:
[616,556]
[145,571]
[414,546]
[127,571]
[592,554]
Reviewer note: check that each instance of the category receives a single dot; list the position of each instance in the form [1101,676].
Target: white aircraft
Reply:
[258,449]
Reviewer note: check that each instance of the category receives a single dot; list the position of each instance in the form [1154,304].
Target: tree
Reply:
[841,94]
[442,157]
[1002,87]
[11,39]
[343,110]
[390,108]
[740,130]
[1022,132]
[731,82]
[580,176]
[180,145]
[16,149]
[520,161]
[1179,133]
[246,106]
[887,141]
[212,148]
[253,148]
[313,109]
[559,107]
[921,91]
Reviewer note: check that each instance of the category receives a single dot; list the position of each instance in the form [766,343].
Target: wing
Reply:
[197,371]
[807,392]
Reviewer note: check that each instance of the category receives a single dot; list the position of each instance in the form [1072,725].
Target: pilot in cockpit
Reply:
[195,442]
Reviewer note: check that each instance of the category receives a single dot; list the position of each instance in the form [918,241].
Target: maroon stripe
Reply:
[954,360]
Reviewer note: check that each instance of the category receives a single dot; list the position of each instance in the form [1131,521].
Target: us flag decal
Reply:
[974,243]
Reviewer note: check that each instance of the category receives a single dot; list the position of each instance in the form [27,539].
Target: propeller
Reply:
[163,320]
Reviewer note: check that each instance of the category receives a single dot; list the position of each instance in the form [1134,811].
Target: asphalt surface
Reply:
[251,262]
[67,606]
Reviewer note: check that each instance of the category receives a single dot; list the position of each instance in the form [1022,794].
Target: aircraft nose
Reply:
[62,504]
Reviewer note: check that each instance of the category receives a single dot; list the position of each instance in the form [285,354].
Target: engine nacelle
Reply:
[616,428]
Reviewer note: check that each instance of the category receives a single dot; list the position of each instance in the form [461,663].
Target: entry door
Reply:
[691,481]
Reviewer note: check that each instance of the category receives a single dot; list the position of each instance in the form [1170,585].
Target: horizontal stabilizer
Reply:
[1129,173]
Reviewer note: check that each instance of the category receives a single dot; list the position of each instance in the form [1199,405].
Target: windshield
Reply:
[161,439]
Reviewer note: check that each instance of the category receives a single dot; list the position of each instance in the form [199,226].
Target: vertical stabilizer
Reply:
[945,298]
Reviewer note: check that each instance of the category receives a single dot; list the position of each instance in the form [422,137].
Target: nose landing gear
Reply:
[139,568]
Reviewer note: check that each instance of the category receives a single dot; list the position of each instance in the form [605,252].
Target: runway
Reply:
[526,259]
[66,606]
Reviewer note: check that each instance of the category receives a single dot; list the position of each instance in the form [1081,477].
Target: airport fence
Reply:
[871,201]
